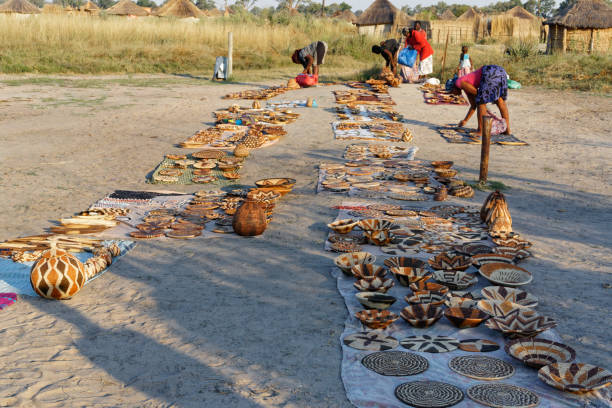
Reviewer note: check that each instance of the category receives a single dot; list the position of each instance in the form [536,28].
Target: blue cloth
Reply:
[15,276]
[493,85]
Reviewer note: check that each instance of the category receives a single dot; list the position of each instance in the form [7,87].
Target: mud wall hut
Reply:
[585,26]
[382,19]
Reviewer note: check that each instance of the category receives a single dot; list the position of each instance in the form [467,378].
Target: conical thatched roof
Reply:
[127,8]
[345,15]
[447,15]
[90,6]
[213,13]
[470,14]
[520,12]
[379,12]
[19,6]
[179,9]
[584,14]
[50,8]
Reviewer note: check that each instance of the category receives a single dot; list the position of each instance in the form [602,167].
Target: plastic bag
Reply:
[407,57]
[513,84]
[433,81]
[305,80]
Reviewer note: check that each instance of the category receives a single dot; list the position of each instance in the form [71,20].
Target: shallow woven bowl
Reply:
[537,353]
[502,294]
[505,274]
[364,271]
[482,259]
[374,284]
[404,262]
[450,262]
[447,173]
[276,182]
[372,224]
[408,275]
[379,237]
[343,226]
[442,164]
[521,323]
[346,261]
[429,287]
[465,317]
[376,319]
[375,300]
[421,315]
[455,280]
[457,301]
[575,377]
[496,308]
[420,297]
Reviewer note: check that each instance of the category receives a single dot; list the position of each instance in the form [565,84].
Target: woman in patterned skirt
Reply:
[489,84]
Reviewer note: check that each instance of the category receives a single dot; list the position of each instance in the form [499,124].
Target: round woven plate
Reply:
[500,395]
[395,363]
[481,367]
[428,394]
[478,345]
[374,341]
[430,344]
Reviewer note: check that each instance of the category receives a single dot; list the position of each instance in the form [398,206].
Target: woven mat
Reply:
[187,175]
[364,133]
[462,135]
[365,113]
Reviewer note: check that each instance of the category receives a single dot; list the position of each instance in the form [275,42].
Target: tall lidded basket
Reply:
[250,219]
[57,275]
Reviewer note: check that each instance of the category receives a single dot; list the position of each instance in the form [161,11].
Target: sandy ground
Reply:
[255,322]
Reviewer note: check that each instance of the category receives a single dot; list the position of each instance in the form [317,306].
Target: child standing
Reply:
[465,62]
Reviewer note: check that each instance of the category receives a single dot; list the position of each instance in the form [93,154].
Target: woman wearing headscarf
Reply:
[417,39]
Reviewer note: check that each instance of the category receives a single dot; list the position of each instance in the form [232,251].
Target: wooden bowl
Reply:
[537,353]
[575,377]
[409,275]
[421,315]
[375,300]
[504,274]
[364,271]
[346,261]
[376,319]
[464,318]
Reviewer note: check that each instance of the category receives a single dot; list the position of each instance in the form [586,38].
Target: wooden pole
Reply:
[444,60]
[592,41]
[484,151]
[230,52]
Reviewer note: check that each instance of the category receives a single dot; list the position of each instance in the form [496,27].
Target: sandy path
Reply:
[255,322]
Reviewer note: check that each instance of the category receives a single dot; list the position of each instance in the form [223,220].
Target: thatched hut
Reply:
[213,13]
[515,23]
[585,26]
[346,15]
[89,8]
[447,15]
[466,28]
[19,7]
[381,19]
[179,9]
[52,8]
[470,14]
[127,8]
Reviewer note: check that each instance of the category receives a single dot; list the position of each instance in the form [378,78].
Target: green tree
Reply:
[146,3]
[37,3]
[205,4]
[69,3]
[104,4]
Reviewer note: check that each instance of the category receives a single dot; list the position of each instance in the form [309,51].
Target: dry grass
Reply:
[62,44]
[79,44]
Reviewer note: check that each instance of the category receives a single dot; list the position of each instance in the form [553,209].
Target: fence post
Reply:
[230,51]
[444,59]
[484,151]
